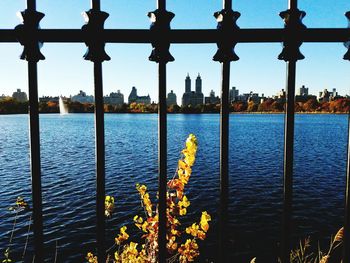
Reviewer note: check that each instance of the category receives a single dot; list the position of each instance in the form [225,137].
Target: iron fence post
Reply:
[160,54]
[346,244]
[227,29]
[290,54]
[93,30]
[162,161]
[27,35]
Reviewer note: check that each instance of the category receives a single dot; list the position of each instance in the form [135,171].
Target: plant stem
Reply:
[13,229]
[27,238]
[56,252]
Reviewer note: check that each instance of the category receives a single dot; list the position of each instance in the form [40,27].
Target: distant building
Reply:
[303,95]
[303,91]
[47,99]
[133,97]
[233,94]
[20,95]
[83,98]
[253,97]
[334,94]
[171,99]
[262,98]
[193,98]
[324,96]
[114,98]
[281,94]
[212,99]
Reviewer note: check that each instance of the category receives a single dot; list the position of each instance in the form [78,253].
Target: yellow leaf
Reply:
[205,218]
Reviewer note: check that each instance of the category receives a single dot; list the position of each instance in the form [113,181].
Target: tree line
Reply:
[341,105]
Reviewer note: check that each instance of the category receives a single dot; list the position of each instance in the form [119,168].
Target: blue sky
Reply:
[65,72]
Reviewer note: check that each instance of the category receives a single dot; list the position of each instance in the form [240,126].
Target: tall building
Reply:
[334,93]
[190,97]
[303,95]
[83,98]
[198,84]
[171,99]
[188,84]
[327,95]
[303,91]
[233,94]
[324,96]
[212,99]
[133,97]
[20,95]
[114,98]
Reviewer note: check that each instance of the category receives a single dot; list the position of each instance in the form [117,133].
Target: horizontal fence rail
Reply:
[185,36]
[160,35]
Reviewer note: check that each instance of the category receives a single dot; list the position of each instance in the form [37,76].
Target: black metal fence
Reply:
[227,35]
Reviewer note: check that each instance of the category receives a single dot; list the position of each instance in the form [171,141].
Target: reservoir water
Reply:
[256,177]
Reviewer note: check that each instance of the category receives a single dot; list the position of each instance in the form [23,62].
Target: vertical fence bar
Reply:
[35,161]
[288,162]
[161,5]
[227,4]
[346,248]
[227,25]
[162,160]
[35,152]
[292,4]
[226,28]
[160,45]
[100,161]
[31,5]
[224,152]
[160,54]
[291,54]
[96,5]
[97,55]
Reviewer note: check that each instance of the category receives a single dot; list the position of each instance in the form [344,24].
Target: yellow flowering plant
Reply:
[180,249]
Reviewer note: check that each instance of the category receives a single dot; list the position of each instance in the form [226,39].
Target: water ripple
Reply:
[256,173]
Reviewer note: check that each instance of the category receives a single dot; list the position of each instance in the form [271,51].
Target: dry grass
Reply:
[304,252]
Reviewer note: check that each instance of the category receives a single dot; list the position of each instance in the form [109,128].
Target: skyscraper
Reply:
[188,84]
[303,91]
[193,98]
[198,84]
[233,94]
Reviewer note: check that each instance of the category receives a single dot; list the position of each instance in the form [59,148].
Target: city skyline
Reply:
[189,96]
[64,71]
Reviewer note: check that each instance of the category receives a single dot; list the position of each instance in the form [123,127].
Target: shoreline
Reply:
[193,113]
